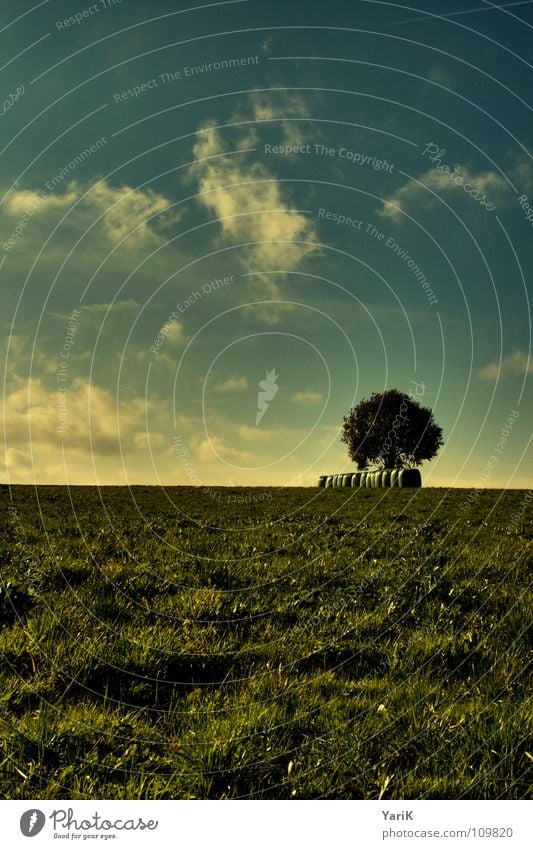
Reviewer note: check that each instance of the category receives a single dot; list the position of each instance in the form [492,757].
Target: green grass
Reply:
[326,643]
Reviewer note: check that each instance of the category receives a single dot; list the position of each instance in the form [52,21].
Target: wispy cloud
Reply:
[307,398]
[414,194]
[523,174]
[120,210]
[175,333]
[516,363]
[31,202]
[127,210]
[217,447]
[89,423]
[92,417]
[232,384]
[254,434]
[249,202]
[288,112]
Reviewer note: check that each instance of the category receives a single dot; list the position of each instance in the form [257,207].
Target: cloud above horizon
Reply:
[307,398]
[517,363]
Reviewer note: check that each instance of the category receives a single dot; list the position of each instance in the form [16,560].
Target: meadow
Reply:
[273,644]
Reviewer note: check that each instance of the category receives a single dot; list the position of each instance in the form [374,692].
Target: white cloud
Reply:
[287,112]
[90,415]
[185,423]
[216,446]
[116,440]
[127,209]
[126,305]
[523,174]
[516,363]
[254,434]
[441,76]
[174,333]
[232,384]
[79,436]
[249,202]
[412,194]
[307,398]
[30,202]
[150,440]
[124,210]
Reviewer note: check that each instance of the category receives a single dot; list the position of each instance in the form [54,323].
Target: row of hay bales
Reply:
[396,477]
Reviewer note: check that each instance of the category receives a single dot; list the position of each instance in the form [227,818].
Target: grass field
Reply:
[322,643]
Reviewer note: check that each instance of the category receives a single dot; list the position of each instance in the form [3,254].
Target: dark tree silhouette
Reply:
[391,429]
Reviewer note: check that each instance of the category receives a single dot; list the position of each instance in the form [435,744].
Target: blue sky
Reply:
[192,198]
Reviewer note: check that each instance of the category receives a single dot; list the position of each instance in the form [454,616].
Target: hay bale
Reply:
[409,477]
[381,478]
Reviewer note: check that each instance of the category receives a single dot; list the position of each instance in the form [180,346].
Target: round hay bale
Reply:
[356,478]
[394,477]
[362,479]
[346,480]
[409,477]
[368,482]
[385,478]
[322,481]
[376,480]
[329,481]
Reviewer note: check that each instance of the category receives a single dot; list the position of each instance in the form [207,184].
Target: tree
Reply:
[391,429]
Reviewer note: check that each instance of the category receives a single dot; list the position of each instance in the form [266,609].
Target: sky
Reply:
[223,225]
